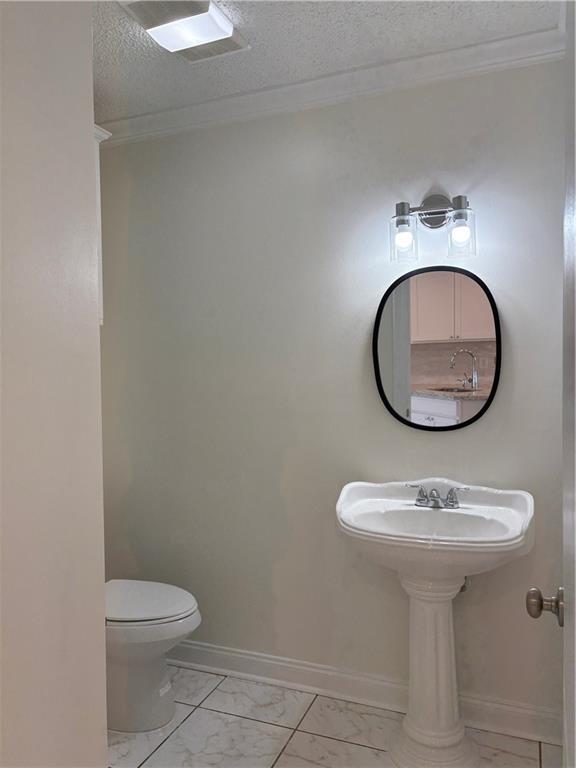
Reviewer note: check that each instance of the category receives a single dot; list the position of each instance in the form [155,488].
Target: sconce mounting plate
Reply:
[433,211]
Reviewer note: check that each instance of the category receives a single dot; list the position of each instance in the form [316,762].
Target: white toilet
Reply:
[144,620]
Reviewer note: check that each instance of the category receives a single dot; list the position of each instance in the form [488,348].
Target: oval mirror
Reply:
[436,348]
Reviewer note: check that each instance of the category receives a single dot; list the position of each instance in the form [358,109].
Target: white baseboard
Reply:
[489,714]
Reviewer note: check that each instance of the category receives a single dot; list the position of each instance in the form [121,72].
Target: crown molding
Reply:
[471,60]
[100,134]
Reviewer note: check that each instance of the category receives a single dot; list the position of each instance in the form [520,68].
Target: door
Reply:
[569,425]
[569,395]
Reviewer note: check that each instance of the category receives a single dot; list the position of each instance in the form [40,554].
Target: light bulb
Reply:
[460,234]
[403,238]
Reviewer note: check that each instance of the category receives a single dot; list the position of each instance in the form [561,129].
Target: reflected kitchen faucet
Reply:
[472,380]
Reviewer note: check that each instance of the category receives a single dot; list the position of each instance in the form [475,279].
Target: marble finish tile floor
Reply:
[192,687]
[268,703]
[225,722]
[129,750]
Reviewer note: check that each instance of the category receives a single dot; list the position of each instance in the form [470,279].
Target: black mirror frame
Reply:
[376,361]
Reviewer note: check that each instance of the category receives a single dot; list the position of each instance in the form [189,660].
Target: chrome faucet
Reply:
[433,500]
[472,380]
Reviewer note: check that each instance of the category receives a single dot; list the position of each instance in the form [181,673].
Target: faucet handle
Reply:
[452,497]
[422,496]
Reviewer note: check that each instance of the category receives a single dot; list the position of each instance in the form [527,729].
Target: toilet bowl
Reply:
[144,620]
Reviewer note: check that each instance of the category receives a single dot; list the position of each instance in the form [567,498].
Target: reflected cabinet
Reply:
[448,305]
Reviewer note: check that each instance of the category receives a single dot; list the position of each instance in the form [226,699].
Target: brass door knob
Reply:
[536,604]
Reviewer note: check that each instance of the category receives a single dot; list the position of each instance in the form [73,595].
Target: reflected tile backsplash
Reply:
[431,363]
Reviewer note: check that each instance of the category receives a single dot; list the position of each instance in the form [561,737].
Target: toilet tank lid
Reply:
[130,600]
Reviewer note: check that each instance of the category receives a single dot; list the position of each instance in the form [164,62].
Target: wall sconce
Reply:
[436,211]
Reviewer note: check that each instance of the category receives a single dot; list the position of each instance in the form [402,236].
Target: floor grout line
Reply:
[167,737]
[360,703]
[496,733]
[210,692]
[295,730]
[540,754]
[218,684]
[308,708]
[343,741]
[271,683]
[245,717]
[279,755]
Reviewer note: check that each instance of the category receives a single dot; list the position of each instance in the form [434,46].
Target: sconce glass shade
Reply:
[461,230]
[403,235]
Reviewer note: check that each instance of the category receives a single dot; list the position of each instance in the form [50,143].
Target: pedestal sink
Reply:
[433,550]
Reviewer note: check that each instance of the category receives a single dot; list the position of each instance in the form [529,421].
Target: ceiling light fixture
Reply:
[199,29]
[435,212]
[194,29]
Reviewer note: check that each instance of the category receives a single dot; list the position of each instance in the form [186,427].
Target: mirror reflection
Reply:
[437,348]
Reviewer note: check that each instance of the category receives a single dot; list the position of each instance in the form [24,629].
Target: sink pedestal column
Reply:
[432,734]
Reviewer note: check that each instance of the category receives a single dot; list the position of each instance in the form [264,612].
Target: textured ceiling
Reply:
[291,41]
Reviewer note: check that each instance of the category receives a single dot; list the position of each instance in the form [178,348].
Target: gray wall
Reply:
[243,267]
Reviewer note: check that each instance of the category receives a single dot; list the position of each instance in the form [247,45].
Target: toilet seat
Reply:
[148,623]
[146,603]
[129,634]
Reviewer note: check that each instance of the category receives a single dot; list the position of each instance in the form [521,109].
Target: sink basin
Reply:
[434,524]
[490,528]
[433,550]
